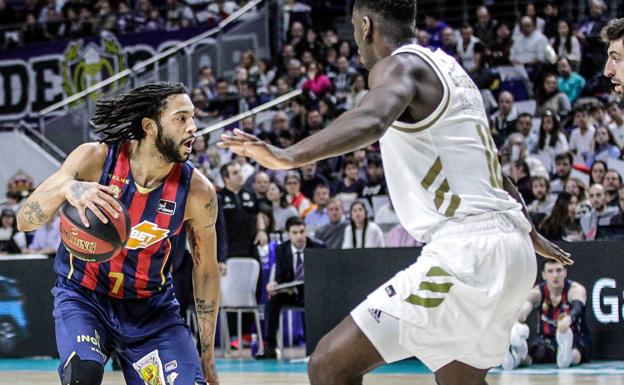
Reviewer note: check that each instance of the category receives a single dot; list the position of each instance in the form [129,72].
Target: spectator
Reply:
[566,45]
[551,18]
[597,172]
[570,83]
[516,149]
[361,232]
[600,214]
[310,178]
[201,104]
[125,18]
[12,241]
[563,336]
[294,195]
[544,202]
[282,210]
[485,28]
[375,181]
[503,121]
[470,51]
[549,97]
[46,239]
[289,267]
[317,216]
[283,60]
[530,46]
[358,92]
[521,177]
[582,137]
[241,213]
[386,214]
[618,219]
[261,182]
[332,234]
[588,34]
[524,126]
[350,182]
[179,15]
[207,82]
[612,183]
[434,28]
[316,82]
[498,52]
[563,168]
[617,122]
[577,188]
[561,224]
[552,141]
[343,80]
[225,102]
[604,147]
[295,77]
[106,19]
[266,75]
[449,42]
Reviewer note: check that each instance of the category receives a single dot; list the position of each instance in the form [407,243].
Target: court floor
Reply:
[235,371]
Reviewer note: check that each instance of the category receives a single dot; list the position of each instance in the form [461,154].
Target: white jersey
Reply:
[444,166]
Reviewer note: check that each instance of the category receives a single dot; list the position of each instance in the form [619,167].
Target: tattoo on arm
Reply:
[205,309]
[77,189]
[34,213]
[194,240]
[212,211]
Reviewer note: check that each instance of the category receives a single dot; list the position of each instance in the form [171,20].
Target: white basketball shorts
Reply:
[459,301]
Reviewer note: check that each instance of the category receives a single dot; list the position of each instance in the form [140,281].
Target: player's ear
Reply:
[367,28]
[149,126]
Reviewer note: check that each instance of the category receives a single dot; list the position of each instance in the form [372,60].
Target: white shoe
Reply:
[510,362]
[565,343]
[518,341]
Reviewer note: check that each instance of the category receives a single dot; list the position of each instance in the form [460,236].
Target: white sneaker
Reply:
[565,343]
[510,362]
[518,341]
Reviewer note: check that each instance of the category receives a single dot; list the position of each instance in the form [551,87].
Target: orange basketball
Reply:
[99,242]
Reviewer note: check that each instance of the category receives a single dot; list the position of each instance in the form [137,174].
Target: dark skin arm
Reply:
[390,95]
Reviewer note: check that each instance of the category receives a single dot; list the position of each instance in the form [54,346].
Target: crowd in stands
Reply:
[25,22]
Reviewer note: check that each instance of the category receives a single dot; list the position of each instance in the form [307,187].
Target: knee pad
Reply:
[79,372]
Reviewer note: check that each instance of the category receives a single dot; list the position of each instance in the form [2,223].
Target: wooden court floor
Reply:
[21,378]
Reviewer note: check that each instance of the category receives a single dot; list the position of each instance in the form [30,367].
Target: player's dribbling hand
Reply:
[244,144]
[210,370]
[549,250]
[91,195]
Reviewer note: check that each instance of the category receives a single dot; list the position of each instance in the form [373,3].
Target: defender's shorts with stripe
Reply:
[460,299]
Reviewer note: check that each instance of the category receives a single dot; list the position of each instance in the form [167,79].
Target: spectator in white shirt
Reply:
[617,122]
[551,140]
[362,232]
[530,46]
[582,137]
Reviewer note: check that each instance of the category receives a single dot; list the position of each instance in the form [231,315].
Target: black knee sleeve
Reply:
[79,372]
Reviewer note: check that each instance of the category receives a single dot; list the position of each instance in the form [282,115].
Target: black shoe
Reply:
[268,354]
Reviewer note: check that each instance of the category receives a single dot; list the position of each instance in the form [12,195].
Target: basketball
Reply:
[99,242]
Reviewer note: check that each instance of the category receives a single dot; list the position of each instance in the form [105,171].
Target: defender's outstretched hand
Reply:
[549,250]
[250,146]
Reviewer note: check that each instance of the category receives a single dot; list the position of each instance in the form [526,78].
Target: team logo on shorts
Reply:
[390,291]
[376,313]
[150,369]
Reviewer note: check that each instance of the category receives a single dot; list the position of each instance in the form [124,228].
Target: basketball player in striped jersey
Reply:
[127,304]
[455,306]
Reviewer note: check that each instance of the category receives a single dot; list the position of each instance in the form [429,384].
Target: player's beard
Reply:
[168,147]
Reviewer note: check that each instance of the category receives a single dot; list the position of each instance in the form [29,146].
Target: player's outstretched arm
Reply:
[394,83]
[201,213]
[76,182]
[542,246]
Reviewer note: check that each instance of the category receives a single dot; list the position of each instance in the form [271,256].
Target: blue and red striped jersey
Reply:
[550,314]
[143,268]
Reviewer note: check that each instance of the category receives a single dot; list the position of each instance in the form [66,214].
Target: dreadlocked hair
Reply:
[392,10]
[118,119]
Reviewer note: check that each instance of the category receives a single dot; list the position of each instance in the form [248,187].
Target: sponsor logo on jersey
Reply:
[166,207]
[118,179]
[171,365]
[376,313]
[145,234]
[390,291]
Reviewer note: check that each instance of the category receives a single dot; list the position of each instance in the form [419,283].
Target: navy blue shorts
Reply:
[150,337]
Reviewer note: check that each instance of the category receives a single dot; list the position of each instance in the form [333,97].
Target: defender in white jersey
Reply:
[454,307]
